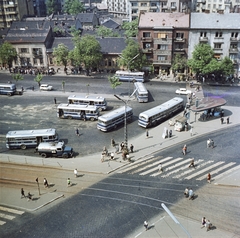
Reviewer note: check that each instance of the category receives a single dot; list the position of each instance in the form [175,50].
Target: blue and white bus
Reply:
[141,92]
[98,101]
[128,76]
[73,111]
[160,113]
[114,118]
[7,89]
[30,138]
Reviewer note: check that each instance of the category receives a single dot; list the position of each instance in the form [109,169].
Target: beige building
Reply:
[14,10]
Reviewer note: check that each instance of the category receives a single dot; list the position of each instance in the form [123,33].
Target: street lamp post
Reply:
[125,122]
[128,65]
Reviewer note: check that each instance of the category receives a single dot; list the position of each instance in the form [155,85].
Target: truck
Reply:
[54,149]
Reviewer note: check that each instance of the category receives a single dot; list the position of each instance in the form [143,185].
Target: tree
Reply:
[7,54]
[131,28]
[179,63]
[53,6]
[226,66]
[87,51]
[106,32]
[17,77]
[128,57]
[73,7]
[61,54]
[38,79]
[114,81]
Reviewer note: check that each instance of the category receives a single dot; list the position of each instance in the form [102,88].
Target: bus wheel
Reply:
[65,156]
[23,147]
[69,117]
[9,94]
[44,155]
[92,118]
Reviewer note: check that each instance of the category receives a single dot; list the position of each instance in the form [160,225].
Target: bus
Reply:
[141,92]
[8,89]
[29,138]
[127,76]
[97,101]
[155,115]
[114,118]
[73,111]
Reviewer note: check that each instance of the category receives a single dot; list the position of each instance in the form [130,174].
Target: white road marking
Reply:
[227,172]
[11,210]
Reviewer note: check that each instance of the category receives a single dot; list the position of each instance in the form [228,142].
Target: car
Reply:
[183,91]
[46,87]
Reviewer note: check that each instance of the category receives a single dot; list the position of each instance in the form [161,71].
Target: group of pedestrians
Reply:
[188,193]
[206,223]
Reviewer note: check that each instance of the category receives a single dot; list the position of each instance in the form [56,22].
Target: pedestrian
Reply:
[102,157]
[77,132]
[203,222]
[145,224]
[22,193]
[186,192]
[160,169]
[191,131]
[131,148]
[228,120]
[29,196]
[122,146]
[222,120]
[68,182]
[105,151]
[208,225]
[209,178]
[192,164]
[75,173]
[32,88]
[184,149]
[147,134]
[191,194]
[113,142]
[55,101]
[170,133]
[22,88]
[112,155]
[45,183]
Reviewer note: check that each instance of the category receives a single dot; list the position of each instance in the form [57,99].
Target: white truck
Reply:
[54,149]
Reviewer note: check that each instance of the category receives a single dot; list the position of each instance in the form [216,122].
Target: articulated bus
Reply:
[127,76]
[114,118]
[154,116]
[29,138]
[73,111]
[97,101]
[141,92]
[8,89]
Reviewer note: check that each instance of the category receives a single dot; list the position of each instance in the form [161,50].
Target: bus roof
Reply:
[76,106]
[7,85]
[140,86]
[161,107]
[122,72]
[87,97]
[35,132]
[118,111]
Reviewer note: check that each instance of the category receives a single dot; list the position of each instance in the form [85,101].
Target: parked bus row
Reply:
[9,89]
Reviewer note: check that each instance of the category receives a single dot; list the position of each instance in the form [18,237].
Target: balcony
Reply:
[179,40]
[234,39]
[201,1]
[180,50]
[203,39]
[165,7]
[147,50]
[173,8]
[147,39]
[233,51]
[162,62]
[218,50]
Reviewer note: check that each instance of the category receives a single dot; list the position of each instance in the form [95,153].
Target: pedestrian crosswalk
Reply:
[178,168]
[7,214]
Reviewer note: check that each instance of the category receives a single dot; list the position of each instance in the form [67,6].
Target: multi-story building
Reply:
[119,8]
[161,36]
[220,31]
[14,10]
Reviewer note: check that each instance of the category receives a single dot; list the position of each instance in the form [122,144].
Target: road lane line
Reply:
[11,210]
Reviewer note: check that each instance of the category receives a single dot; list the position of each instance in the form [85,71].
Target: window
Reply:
[173,4]
[162,47]
[161,57]
[23,50]
[214,6]
[234,34]
[153,4]
[146,34]
[233,46]
[134,4]
[203,34]
[37,51]
[218,34]
[146,45]
[143,4]
[134,11]
[233,56]
[179,46]
[162,35]
[217,45]
[179,35]
[109,62]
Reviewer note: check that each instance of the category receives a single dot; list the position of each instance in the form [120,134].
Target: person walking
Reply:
[186,192]
[170,133]
[209,178]
[68,182]
[29,196]
[222,120]
[228,120]
[55,100]
[45,183]
[147,134]
[131,148]
[113,142]
[145,224]
[184,149]
[191,194]
[192,164]
[191,131]
[102,157]
[160,169]
[75,173]
[77,132]
[112,155]
[203,222]
[22,193]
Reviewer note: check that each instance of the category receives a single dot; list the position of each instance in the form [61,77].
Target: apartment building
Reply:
[14,10]
[161,36]
[221,31]
[119,8]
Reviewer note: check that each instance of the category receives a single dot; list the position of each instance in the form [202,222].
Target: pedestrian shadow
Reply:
[213,228]
[150,227]
[51,185]
[80,175]
[35,199]
[72,184]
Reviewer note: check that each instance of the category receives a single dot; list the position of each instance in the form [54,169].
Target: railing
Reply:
[203,39]
[147,39]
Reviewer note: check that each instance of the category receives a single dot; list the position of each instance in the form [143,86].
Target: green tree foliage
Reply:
[73,7]
[7,54]
[61,54]
[131,28]
[38,79]
[75,32]
[53,7]
[106,32]
[132,57]
[179,63]
[226,66]
[114,81]
[17,77]
[87,51]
